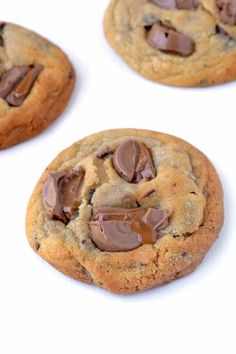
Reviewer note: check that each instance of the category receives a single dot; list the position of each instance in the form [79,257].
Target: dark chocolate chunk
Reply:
[37,245]
[21,91]
[169,40]
[149,193]
[118,229]
[187,234]
[90,195]
[220,30]
[104,154]
[133,162]
[62,194]
[227,11]
[2,25]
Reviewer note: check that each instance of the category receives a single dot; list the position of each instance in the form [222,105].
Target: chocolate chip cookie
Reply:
[126,210]
[175,42]
[36,81]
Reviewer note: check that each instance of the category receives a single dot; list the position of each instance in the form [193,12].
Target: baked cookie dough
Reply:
[175,42]
[36,81]
[126,210]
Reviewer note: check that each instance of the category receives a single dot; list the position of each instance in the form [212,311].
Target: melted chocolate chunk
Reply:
[227,11]
[21,91]
[176,4]
[118,229]
[16,83]
[169,40]
[11,78]
[133,162]
[62,194]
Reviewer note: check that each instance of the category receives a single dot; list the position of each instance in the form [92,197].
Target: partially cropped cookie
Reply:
[36,81]
[175,42]
[126,210]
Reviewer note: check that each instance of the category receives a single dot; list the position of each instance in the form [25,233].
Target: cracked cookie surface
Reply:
[195,44]
[36,81]
[185,183]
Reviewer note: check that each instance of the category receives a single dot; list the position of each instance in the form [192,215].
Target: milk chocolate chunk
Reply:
[10,78]
[165,4]
[176,4]
[186,4]
[62,194]
[118,229]
[21,91]
[169,40]
[227,11]
[133,162]
[52,196]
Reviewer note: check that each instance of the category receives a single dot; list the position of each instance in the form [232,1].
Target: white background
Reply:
[43,311]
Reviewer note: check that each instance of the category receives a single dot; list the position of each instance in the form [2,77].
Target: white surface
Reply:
[43,311]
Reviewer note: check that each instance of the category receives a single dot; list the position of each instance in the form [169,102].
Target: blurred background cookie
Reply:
[175,42]
[36,81]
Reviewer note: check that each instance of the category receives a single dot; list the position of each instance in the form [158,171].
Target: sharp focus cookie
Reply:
[175,42]
[126,210]
[36,81]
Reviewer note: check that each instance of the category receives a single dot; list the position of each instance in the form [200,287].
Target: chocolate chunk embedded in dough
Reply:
[219,30]
[62,194]
[21,91]
[186,4]
[178,4]
[165,4]
[227,11]
[2,25]
[169,40]
[118,229]
[133,162]
[10,78]
[52,195]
